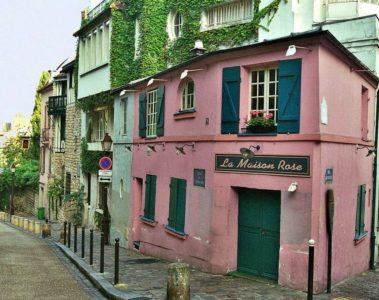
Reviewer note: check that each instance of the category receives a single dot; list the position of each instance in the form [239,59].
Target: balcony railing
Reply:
[57,105]
[45,135]
[349,1]
[97,10]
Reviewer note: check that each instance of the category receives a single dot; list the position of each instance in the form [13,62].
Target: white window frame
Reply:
[172,26]
[187,100]
[137,42]
[255,98]
[101,119]
[151,113]
[227,14]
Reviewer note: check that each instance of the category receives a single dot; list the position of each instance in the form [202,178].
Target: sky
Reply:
[35,35]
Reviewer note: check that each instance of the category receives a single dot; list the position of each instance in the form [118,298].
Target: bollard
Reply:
[116,260]
[25,223]
[37,228]
[310,269]
[21,222]
[46,230]
[31,226]
[178,282]
[64,232]
[16,221]
[69,235]
[102,253]
[83,241]
[1,216]
[91,247]
[75,238]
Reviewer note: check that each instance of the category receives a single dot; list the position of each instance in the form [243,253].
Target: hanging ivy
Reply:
[89,103]
[77,198]
[90,159]
[157,51]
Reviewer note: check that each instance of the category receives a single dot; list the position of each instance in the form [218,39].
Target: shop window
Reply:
[150,191]
[177,210]
[188,96]
[360,216]
[174,25]
[151,113]
[231,13]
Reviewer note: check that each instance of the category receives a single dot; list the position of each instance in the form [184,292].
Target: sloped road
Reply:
[29,269]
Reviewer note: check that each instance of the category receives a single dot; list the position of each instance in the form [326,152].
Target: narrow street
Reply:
[29,269]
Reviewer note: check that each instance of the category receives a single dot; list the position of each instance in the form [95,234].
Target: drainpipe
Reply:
[375,171]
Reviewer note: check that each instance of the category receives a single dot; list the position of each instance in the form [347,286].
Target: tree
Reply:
[36,116]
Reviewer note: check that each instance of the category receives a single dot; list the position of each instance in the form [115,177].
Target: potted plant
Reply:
[260,122]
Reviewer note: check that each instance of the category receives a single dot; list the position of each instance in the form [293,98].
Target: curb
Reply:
[102,284]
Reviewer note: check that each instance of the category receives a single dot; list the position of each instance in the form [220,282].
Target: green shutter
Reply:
[230,110]
[160,111]
[142,114]
[289,88]
[173,197]
[181,206]
[150,191]
[360,213]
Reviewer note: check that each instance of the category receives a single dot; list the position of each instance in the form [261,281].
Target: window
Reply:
[174,25]
[264,91]
[177,210]
[364,113]
[124,117]
[188,96]
[137,42]
[94,48]
[150,191]
[100,125]
[68,184]
[152,100]
[227,14]
[360,217]
[60,132]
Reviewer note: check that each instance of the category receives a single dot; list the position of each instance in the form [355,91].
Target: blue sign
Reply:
[329,175]
[105,163]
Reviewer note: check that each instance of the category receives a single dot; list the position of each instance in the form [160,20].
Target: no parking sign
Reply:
[105,163]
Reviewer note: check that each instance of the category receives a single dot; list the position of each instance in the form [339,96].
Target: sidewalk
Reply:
[145,277]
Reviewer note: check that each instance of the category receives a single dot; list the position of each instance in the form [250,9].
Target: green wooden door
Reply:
[259,232]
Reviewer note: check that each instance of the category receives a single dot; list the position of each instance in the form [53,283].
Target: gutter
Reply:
[374,200]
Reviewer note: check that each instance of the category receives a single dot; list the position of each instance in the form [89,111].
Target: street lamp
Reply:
[106,144]
[11,207]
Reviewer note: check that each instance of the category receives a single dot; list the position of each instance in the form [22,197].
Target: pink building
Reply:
[221,210]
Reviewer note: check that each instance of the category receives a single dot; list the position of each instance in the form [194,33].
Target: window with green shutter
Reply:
[177,210]
[150,190]
[360,217]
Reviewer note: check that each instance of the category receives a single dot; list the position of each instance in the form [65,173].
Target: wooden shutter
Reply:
[181,205]
[150,191]
[289,86]
[142,114]
[230,110]
[173,204]
[160,111]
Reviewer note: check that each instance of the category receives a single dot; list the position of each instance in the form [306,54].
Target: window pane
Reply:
[261,76]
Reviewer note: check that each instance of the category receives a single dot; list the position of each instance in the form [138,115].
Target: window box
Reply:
[261,129]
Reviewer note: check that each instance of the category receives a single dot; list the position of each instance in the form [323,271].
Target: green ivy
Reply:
[78,199]
[156,49]
[89,103]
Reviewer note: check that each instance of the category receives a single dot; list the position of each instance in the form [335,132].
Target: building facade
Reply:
[230,192]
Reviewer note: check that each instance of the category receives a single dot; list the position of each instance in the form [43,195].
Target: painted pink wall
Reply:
[212,212]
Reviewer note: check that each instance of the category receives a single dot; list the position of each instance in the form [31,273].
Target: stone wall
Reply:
[26,201]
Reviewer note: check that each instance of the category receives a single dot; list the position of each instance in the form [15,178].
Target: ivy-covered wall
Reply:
[157,51]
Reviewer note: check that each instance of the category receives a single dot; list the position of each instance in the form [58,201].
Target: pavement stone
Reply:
[146,276]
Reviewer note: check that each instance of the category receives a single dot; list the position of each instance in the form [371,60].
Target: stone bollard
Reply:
[21,222]
[16,221]
[1,216]
[37,228]
[31,226]
[46,230]
[178,282]
[26,224]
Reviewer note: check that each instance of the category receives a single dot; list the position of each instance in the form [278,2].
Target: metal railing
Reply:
[57,105]
[93,13]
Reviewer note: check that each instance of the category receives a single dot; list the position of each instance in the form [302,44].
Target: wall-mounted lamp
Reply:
[185,72]
[129,147]
[123,92]
[293,187]
[152,80]
[152,148]
[248,153]
[180,150]
[107,142]
[370,150]
[199,48]
[292,49]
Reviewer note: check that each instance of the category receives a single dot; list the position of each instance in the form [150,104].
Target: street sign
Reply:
[105,163]
[105,173]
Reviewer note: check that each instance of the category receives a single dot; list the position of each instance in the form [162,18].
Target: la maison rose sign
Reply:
[264,164]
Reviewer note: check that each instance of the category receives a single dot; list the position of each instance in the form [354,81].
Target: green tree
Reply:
[36,116]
